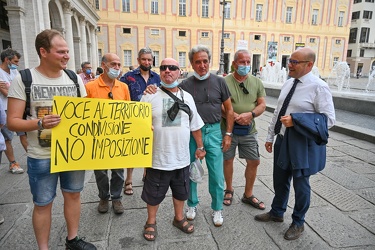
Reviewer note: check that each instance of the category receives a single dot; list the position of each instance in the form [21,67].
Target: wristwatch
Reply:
[253,114]
[229,134]
[40,124]
[201,149]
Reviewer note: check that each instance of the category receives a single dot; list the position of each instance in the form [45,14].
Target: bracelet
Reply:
[201,149]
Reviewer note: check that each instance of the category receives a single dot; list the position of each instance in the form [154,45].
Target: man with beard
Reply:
[137,81]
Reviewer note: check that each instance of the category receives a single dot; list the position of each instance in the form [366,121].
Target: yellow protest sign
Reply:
[100,134]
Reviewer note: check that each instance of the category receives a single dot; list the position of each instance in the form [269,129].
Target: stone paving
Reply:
[341,216]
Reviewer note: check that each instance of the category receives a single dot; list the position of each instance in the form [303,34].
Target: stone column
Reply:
[82,24]
[94,46]
[67,11]
[46,18]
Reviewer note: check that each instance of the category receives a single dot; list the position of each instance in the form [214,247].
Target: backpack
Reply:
[27,80]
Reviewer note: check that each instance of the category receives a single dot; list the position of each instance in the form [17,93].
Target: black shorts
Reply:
[157,183]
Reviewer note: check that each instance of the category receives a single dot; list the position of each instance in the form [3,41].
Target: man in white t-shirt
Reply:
[172,122]
[8,70]
[48,80]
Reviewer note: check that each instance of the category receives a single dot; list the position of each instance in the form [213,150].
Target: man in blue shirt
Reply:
[137,81]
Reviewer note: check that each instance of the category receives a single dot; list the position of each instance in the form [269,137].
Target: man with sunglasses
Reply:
[248,100]
[170,159]
[106,86]
[301,120]
[137,80]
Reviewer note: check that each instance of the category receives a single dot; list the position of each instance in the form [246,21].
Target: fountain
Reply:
[273,73]
[371,81]
[340,76]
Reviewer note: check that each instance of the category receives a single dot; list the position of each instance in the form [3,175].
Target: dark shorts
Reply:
[157,183]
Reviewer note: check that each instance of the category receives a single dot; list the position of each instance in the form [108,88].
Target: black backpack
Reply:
[27,80]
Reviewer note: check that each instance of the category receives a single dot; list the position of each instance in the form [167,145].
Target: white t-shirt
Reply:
[43,89]
[171,138]
[8,78]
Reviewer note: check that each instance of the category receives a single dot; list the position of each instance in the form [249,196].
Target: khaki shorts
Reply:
[248,147]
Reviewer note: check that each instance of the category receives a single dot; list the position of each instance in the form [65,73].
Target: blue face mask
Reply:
[88,71]
[169,86]
[12,66]
[201,78]
[113,73]
[243,70]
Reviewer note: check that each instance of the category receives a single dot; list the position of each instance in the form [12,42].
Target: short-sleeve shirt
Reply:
[43,89]
[209,95]
[242,102]
[137,83]
[171,138]
[8,78]
[98,89]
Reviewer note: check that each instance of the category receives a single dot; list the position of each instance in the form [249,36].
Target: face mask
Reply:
[113,73]
[201,78]
[12,66]
[144,68]
[243,70]
[88,71]
[169,86]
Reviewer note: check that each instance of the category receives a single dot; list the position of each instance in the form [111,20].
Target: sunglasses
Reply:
[295,62]
[244,89]
[170,67]
[110,95]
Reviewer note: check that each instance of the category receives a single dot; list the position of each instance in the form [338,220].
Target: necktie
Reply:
[285,106]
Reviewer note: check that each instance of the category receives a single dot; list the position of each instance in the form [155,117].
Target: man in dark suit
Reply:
[303,98]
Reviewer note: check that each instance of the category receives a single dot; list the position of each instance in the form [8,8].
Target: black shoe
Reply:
[266,217]
[294,232]
[79,244]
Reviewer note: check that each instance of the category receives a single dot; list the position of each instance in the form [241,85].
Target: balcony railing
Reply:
[367,45]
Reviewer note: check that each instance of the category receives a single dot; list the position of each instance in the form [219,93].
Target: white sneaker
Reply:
[217,217]
[191,212]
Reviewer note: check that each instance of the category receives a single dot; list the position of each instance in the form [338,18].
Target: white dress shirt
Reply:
[312,95]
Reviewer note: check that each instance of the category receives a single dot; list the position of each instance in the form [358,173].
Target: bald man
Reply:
[171,155]
[301,120]
[106,86]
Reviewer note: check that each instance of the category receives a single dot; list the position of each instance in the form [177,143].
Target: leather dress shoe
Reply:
[294,232]
[268,217]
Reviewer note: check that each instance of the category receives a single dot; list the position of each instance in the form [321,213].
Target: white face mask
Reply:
[201,78]
[113,73]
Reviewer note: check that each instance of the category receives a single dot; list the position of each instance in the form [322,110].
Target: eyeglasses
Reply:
[110,95]
[295,62]
[170,67]
[244,89]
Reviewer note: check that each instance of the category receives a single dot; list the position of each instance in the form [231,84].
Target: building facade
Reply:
[22,20]
[361,48]
[270,30]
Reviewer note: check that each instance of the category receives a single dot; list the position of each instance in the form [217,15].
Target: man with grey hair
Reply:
[87,74]
[137,81]
[8,71]
[210,92]
[248,99]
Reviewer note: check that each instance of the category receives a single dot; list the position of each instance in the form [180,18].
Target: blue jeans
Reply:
[212,140]
[43,184]
[117,181]
[281,185]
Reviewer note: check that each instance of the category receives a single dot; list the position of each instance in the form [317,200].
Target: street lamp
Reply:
[221,68]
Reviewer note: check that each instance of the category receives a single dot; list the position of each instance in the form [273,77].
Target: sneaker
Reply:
[191,212]
[15,168]
[1,219]
[103,206]
[78,244]
[117,206]
[217,218]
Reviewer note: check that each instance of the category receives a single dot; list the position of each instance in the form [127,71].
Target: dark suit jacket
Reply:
[303,148]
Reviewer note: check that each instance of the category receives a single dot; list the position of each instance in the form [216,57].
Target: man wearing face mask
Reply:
[106,86]
[87,74]
[248,100]
[8,71]
[137,81]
